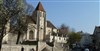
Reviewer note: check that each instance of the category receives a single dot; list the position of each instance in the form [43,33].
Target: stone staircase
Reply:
[41,45]
[57,47]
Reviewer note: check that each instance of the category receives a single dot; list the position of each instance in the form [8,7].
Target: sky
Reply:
[82,15]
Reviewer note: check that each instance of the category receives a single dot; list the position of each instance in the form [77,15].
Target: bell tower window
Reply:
[44,15]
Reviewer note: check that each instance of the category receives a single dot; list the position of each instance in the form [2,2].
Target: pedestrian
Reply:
[22,49]
[32,49]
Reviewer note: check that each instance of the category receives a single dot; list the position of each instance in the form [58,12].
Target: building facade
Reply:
[86,40]
[39,31]
[96,37]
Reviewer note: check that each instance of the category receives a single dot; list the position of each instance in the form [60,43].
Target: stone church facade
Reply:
[39,31]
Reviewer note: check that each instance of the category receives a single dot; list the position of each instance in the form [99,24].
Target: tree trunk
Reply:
[1,35]
[18,37]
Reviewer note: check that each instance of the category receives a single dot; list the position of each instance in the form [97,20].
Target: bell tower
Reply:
[41,19]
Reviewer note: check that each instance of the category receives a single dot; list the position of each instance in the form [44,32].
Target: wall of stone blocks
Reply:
[18,47]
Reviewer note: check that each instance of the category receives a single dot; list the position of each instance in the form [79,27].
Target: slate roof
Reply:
[97,29]
[30,20]
[40,7]
[49,24]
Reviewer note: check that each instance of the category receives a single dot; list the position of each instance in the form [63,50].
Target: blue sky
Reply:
[78,14]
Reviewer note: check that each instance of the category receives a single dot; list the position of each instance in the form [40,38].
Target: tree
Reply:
[28,8]
[63,30]
[73,38]
[9,9]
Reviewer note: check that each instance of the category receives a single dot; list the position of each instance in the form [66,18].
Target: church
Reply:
[39,32]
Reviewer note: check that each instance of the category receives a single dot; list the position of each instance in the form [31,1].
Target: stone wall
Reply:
[17,47]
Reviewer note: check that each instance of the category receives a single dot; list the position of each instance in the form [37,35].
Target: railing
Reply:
[57,39]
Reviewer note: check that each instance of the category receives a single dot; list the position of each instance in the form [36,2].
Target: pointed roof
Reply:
[40,7]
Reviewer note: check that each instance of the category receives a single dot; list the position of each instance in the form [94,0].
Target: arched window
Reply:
[31,34]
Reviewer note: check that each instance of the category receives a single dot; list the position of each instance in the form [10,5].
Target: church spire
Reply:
[40,7]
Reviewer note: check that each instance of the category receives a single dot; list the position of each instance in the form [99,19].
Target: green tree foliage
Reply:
[8,10]
[73,38]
